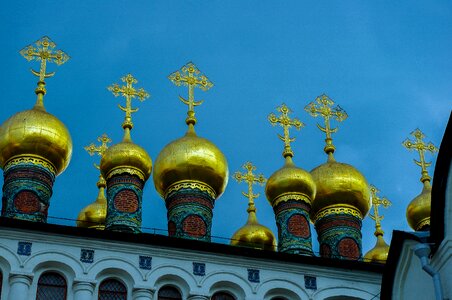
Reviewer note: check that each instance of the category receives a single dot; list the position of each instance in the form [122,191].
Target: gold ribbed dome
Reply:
[290,180]
[254,235]
[339,185]
[93,215]
[379,253]
[191,158]
[35,132]
[418,211]
[126,154]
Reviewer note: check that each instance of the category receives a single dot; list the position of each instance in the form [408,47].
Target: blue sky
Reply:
[386,63]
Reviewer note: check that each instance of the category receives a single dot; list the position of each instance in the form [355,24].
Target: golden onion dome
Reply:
[290,180]
[379,253]
[36,132]
[254,235]
[191,158]
[93,215]
[126,154]
[339,185]
[418,211]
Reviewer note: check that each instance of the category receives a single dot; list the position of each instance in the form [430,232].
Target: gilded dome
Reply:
[418,211]
[191,158]
[35,132]
[93,215]
[379,253]
[339,184]
[290,179]
[254,235]
[126,154]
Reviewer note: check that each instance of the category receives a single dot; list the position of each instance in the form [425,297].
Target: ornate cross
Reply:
[100,150]
[421,147]
[129,92]
[189,75]
[285,123]
[376,202]
[323,106]
[44,51]
[251,179]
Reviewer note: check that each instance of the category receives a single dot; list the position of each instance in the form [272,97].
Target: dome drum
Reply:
[339,236]
[27,189]
[190,211]
[294,232]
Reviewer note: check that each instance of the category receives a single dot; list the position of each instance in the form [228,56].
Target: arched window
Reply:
[51,285]
[112,289]
[222,296]
[169,293]
[278,298]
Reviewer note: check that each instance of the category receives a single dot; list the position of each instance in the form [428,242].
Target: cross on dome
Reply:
[323,106]
[189,75]
[285,123]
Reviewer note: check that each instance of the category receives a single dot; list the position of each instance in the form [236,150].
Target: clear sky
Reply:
[388,64]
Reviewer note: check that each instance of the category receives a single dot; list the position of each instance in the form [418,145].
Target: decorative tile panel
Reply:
[253,275]
[310,282]
[24,248]
[199,269]
[145,262]
[87,255]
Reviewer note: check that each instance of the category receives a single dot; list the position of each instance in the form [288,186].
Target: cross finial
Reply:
[376,202]
[100,150]
[129,92]
[323,106]
[420,146]
[250,179]
[285,123]
[44,51]
[189,75]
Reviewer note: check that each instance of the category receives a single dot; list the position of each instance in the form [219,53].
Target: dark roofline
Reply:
[438,206]
[185,244]
[397,241]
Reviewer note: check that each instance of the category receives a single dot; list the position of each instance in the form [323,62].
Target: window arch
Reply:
[51,285]
[222,296]
[112,289]
[1,283]
[169,293]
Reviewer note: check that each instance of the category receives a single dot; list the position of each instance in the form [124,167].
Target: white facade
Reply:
[170,266]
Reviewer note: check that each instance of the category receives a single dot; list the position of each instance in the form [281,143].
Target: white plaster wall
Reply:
[174,267]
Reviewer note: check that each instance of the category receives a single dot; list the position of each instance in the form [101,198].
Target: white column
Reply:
[83,290]
[142,294]
[19,286]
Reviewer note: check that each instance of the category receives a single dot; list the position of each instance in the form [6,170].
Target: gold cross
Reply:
[44,52]
[286,123]
[189,75]
[128,92]
[325,109]
[100,150]
[377,201]
[421,147]
[251,179]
